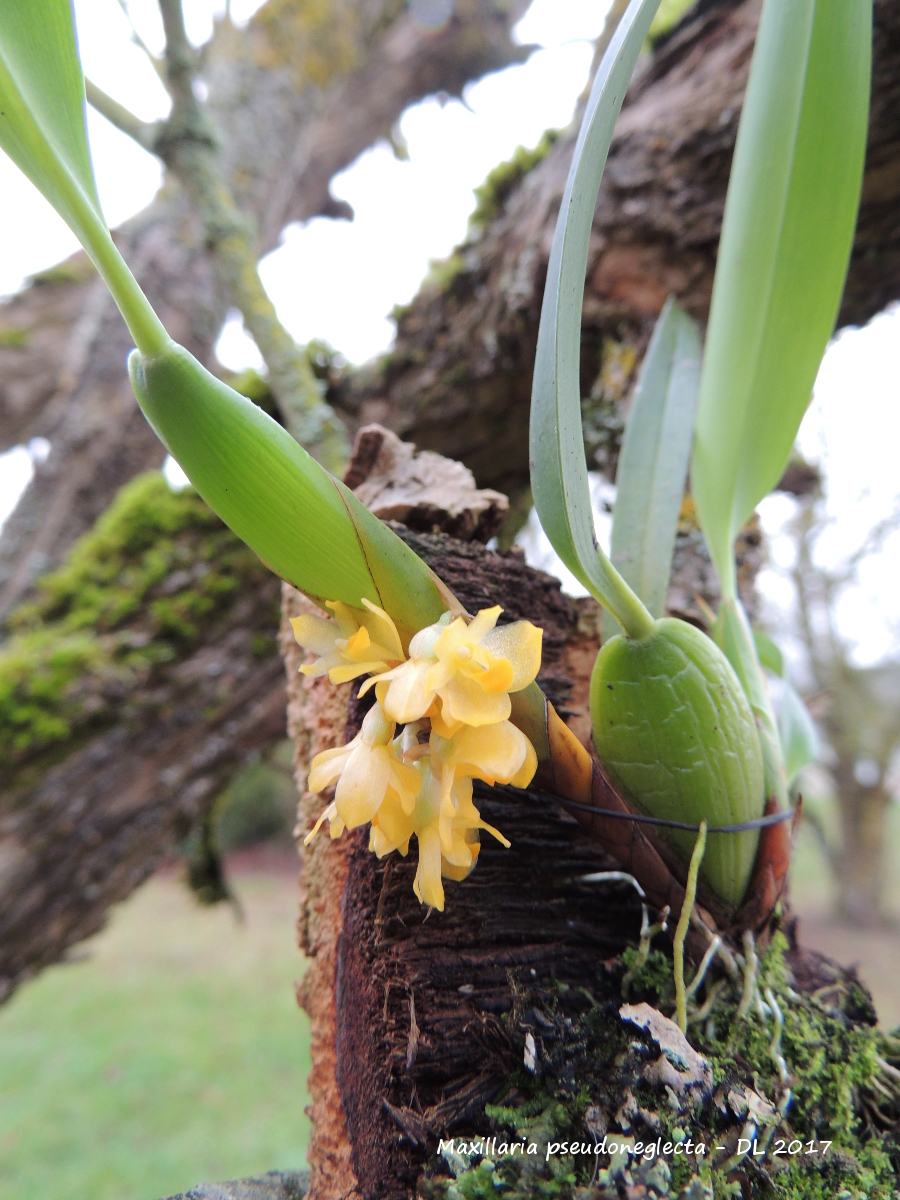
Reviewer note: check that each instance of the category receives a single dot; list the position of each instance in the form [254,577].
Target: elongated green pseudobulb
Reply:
[675,731]
[304,524]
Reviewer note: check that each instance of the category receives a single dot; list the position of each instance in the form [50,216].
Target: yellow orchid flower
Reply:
[470,668]
[367,771]
[452,698]
[498,753]
[447,847]
[357,642]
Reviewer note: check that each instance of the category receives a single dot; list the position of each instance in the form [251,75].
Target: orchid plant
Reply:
[682,721]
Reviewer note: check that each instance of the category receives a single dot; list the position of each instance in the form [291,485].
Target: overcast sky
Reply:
[339,280]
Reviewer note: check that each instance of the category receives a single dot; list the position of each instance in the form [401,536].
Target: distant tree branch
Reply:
[189,145]
[144,133]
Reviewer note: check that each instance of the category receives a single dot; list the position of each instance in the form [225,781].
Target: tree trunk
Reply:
[420,1019]
[861,862]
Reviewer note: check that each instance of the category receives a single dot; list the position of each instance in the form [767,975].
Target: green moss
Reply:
[76,270]
[653,982]
[133,593]
[590,1080]
[667,17]
[443,271]
[14,337]
[491,196]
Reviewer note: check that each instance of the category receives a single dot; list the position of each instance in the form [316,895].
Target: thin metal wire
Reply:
[640,818]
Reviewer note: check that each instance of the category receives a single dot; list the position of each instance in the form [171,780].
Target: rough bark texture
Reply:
[296,96]
[400,1050]
[459,376]
[417,1015]
[152,749]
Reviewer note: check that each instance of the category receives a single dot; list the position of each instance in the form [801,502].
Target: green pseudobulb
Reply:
[675,731]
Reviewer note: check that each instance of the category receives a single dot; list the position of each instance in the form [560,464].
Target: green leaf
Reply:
[559,472]
[799,739]
[768,653]
[786,240]
[42,124]
[305,525]
[42,129]
[653,463]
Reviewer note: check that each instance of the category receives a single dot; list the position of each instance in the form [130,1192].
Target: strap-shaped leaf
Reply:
[768,653]
[799,739]
[305,525]
[42,125]
[653,462]
[786,239]
[558,469]
[42,129]
[302,522]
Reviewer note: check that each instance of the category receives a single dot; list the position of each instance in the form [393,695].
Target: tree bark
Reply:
[458,378]
[419,1018]
[861,862]
[296,97]
[399,1047]
[86,820]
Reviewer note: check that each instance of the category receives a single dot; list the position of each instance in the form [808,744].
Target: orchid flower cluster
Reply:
[450,698]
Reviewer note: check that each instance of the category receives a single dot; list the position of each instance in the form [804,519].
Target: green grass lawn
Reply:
[171,1053]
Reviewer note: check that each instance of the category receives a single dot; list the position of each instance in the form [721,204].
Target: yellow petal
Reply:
[328,815]
[393,826]
[525,773]
[454,636]
[362,784]
[357,645]
[497,677]
[347,671]
[495,833]
[336,828]
[315,633]
[440,674]
[427,884]
[446,815]
[347,618]
[483,623]
[457,850]
[407,783]
[490,752]
[326,767]
[314,670]
[466,701]
[441,725]
[382,629]
[459,873]
[407,697]
[377,728]
[520,645]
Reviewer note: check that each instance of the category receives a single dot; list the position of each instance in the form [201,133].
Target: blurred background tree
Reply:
[856,704]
